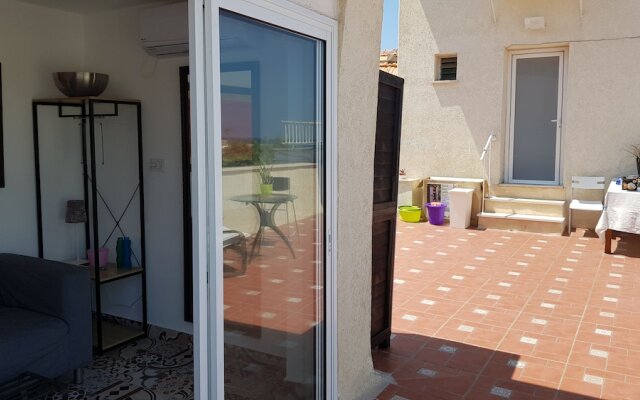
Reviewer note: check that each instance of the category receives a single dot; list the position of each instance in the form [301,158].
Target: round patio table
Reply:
[266,205]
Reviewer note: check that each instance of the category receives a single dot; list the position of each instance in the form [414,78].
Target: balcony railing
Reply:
[302,132]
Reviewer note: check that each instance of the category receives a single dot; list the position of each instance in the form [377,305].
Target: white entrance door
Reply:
[535,118]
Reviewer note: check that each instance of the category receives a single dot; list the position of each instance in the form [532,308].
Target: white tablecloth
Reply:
[621,211]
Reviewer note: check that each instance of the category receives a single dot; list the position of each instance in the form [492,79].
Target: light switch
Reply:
[156,165]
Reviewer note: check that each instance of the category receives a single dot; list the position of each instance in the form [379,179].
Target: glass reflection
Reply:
[273,187]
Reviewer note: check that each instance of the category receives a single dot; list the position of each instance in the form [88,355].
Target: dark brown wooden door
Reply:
[385,200]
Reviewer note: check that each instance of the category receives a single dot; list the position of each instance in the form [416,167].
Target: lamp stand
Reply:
[77,244]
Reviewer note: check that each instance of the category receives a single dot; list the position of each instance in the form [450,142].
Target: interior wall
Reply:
[445,125]
[112,46]
[34,42]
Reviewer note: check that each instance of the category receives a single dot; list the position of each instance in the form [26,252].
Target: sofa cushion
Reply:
[31,336]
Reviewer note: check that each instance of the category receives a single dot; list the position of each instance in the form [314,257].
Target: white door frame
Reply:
[206,179]
[535,53]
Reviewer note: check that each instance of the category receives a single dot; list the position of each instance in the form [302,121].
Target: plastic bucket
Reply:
[410,213]
[104,257]
[436,213]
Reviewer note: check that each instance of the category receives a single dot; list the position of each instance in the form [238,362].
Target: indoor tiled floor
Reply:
[497,314]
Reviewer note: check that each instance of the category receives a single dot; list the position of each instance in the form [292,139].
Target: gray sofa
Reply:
[45,317]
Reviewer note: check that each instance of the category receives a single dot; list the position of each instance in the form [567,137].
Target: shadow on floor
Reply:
[425,368]
[626,244]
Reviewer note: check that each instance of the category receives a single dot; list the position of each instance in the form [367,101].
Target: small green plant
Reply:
[265,174]
[264,155]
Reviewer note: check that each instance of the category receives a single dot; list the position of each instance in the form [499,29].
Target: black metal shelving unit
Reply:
[107,332]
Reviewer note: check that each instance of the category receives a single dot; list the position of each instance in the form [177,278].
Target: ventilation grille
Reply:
[448,68]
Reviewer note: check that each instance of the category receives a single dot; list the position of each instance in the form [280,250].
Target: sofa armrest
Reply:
[44,286]
[53,288]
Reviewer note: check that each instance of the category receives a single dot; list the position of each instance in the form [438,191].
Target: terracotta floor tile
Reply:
[433,303]
[388,362]
[486,315]
[482,311]
[620,391]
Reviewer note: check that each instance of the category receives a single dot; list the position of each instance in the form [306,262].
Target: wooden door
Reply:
[385,200]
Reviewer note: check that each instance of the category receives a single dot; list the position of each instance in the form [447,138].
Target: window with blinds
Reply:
[446,67]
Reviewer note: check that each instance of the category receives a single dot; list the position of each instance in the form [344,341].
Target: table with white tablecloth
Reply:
[621,213]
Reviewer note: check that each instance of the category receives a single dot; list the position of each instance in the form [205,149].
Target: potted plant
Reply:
[266,180]
[634,150]
[265,166]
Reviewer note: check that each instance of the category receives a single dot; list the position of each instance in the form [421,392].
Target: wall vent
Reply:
[446,67]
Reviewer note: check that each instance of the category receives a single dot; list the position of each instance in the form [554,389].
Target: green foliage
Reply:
[264,155]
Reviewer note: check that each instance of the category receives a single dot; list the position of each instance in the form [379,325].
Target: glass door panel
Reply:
[272,92]
[536,112]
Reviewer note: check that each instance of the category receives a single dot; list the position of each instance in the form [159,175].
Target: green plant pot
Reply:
[266,188]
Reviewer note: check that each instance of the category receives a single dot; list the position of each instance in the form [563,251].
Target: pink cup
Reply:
[104,257]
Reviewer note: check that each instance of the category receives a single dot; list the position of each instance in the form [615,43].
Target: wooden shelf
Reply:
[109,273]
[114,334]
[112,273]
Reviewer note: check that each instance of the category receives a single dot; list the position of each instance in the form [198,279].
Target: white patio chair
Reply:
[283,185]
[236,240]
[585,183]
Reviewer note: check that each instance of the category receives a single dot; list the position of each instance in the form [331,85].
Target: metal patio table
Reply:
[266,205]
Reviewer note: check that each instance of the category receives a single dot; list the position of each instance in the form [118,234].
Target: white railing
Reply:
[486,153]
[302,132]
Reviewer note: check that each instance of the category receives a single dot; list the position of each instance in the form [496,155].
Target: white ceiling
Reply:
[91,6]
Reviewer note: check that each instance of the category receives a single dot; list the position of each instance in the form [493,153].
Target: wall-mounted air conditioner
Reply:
[164,30]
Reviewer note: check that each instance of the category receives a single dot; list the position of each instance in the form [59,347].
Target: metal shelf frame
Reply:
[87,116]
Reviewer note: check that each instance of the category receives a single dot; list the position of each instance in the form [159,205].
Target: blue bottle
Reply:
[119,244]
[126,252]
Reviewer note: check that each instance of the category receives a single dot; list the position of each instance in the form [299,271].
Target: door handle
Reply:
[557,121]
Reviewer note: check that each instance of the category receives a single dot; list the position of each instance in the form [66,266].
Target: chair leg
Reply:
[295,219]
[78,376]
[245,256]
[286,209]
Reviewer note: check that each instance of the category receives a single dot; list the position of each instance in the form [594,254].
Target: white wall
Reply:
[112,47]
[359,38]
[445,125]
[34,42]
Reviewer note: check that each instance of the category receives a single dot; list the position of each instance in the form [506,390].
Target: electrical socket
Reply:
[156,165]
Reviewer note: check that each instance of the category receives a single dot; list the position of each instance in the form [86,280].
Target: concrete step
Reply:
[529,191]
[513,205]
[522,222]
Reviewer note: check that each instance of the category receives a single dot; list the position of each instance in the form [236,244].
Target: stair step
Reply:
[522,217]
[516,200]
[529,191]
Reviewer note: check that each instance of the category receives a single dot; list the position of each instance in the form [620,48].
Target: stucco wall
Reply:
[445,125]
[359,38]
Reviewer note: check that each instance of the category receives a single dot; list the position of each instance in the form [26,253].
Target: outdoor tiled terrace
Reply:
[497,314]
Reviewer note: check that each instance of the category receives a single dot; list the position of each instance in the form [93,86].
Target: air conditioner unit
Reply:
[164,30]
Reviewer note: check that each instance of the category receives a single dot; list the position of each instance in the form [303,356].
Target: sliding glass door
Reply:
[272,220]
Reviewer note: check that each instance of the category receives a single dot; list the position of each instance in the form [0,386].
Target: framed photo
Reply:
[1,136]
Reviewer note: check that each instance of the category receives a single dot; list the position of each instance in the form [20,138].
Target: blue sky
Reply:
[390,25]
